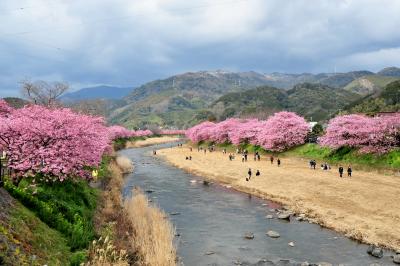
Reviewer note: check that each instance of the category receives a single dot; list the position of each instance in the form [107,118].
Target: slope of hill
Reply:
[310,100]
[15,102]
[390,72]
[318,102]
[369,84]
[386,100]
[175,100]
[98,92]
[180,100]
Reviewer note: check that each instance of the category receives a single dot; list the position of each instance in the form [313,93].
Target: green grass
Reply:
[347,155]
[66,206]
[49,245]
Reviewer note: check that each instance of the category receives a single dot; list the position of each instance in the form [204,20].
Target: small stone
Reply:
[284,216]
[269,216]
[249,236]
[291,244]
[175,213]
[396,258]
[210,253]
[149,191]
[273,234]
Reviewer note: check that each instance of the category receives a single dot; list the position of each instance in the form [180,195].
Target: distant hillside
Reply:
[175,100]
[386,100]
[184,99]
[16,102]
[369,84]
[98,92]
[390,72]
[310,100]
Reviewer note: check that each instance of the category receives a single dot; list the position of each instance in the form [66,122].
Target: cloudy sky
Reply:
[129,42]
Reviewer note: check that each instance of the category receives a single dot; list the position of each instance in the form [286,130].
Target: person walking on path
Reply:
[258,157]
[249,173]
[271,158]
[340,171]
[349,171]
[243,158]
[258,173]
[279,162]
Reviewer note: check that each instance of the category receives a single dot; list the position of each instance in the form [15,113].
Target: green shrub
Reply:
[65,206]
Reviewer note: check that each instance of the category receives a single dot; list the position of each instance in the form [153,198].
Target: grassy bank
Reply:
[53,221]
[345,155]
[26,240]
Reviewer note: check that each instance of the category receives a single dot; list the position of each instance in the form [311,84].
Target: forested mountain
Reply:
[185,99]
[314,101]
[386,100]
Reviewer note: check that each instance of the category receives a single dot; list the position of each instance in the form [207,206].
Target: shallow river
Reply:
[214,219]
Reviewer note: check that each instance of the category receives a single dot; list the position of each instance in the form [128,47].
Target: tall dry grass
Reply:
[153,235]
[103,253]
[125,164]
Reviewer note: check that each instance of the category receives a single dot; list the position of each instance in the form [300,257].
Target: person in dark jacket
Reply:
[349,171]
[340,171]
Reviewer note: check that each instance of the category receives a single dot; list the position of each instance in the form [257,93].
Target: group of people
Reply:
[257,157]
[249,173]
[325,166]
[349,171]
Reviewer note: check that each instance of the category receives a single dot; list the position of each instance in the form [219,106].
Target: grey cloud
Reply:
[127,42]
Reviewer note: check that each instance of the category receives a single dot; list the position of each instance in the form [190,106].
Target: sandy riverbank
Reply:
[365,207]
[151,141]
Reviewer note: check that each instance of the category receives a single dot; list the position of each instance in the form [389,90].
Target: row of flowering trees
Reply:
[280,132]
[284,130]
[119,132]
[379,134]
[55,142]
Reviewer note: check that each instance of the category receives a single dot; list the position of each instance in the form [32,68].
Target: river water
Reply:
[211,222]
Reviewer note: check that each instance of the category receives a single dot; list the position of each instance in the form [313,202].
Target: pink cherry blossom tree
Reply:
[200,132]
[54,143]
[221,131]
[368,134]
[282,131]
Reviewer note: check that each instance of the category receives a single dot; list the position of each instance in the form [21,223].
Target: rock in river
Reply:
[284,216]
[249,236]
[269,216]
[396,258]
[273,234]
[375,251]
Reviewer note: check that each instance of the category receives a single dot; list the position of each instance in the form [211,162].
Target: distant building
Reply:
[312,124]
